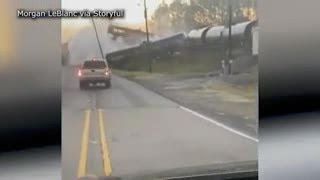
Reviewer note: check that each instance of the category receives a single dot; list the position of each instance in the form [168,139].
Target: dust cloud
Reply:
[84,44]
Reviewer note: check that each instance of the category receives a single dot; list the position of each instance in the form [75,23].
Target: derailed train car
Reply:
[169,44]
[118,58]
[205,39]
[155,49]
[217,36]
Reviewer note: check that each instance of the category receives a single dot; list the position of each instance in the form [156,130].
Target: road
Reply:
[128,130]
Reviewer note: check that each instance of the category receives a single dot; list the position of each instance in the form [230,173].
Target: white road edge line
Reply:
[219,124]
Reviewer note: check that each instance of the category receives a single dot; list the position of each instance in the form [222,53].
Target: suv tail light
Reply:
[79,73]
[106,72]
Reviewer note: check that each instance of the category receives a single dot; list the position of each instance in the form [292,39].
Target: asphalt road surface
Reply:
[128,130]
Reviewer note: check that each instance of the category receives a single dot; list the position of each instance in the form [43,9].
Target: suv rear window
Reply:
[94,65]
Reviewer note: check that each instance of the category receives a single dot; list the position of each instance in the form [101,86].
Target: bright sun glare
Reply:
[134,12]
[134,8]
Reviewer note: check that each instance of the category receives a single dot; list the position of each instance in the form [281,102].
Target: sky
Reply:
[82,41]
[134,13]
[134,9]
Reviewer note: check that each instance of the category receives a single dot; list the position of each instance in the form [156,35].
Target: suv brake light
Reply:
[79,73]
[106,72]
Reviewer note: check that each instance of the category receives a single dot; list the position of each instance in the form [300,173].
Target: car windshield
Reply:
[94,65]
[187,97]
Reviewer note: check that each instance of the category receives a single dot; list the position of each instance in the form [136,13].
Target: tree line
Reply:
[187,15]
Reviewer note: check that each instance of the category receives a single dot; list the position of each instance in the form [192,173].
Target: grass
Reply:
[185,66]
[232,98]
[238,100]
[232,92]
[136,74]
[176,65]
[248,90]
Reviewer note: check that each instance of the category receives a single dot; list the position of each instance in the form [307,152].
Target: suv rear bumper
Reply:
[95,79]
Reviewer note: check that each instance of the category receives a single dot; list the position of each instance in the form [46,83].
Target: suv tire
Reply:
[82,85]
[108,84]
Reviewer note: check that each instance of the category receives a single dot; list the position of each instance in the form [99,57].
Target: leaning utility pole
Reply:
[147,34]
[146,19]
[229,38]
[98,40]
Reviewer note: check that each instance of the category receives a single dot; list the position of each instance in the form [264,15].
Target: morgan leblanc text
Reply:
[21,13]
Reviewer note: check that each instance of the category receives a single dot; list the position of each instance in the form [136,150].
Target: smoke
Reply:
[84,44]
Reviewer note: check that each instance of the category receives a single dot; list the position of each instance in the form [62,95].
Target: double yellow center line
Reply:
[84,145]
[103,145]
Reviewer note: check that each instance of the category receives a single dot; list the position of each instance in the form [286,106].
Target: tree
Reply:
[179,16]
[196,17]
[177,12]
[161,19]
